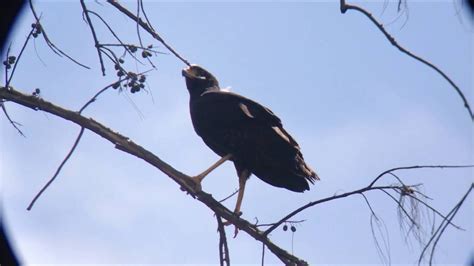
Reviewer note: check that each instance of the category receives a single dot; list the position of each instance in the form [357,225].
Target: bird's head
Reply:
[199,80]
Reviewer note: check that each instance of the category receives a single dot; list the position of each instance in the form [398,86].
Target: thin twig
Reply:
[127,49]
[370,187]
[18,58]
[94,98]
[79,136]
[146,27]
[228,197]
[6,60]
[13,123]
[451,215]
[140,7]
[51,45]
[387,259]
[344,7]
[313,203]
[96,41]
[440,230]
[128,45]
[289,221]
[435,211]
[417,167]
[370,206]
[400,206]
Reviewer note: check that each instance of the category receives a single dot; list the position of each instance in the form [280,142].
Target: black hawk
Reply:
[246,133]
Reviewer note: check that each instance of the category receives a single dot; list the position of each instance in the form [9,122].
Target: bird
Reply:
[245,132]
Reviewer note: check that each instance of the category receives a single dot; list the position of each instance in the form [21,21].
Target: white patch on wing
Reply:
[244,108]
[281,134]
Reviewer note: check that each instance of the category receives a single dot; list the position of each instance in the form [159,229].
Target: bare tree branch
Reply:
[228,197]
[8,81]
[13,123]
[370,187]
[313,203]
[51,45]
[96,41]
[443,225]
[344,7]
[43,189]
[224,256]
[148,28]
[416,167]
[289,221]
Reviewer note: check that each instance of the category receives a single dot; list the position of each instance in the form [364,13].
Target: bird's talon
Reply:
[236,231]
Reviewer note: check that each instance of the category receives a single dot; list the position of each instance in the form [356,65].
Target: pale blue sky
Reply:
[355,104]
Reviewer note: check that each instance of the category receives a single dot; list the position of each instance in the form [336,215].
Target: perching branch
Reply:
[126,145]
[344,7]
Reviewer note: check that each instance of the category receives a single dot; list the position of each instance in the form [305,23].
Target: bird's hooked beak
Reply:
[189,72]
[185,72]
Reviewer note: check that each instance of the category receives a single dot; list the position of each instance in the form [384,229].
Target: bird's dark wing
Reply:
[230,123]
[241,107]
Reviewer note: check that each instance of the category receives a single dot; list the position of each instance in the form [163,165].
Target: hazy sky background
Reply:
[355,104]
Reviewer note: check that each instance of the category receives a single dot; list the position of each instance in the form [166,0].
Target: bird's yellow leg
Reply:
[201,176]
[240,196]
[242,180]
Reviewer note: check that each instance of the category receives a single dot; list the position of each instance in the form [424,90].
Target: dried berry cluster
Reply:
[293,228]
[145,53]
[36,29]
[36,92]
[9,62]
[135,81]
